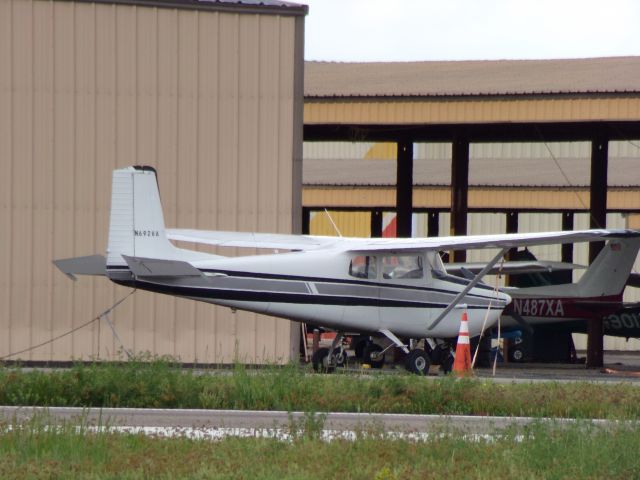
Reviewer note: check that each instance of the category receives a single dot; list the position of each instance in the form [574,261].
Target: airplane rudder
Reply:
[121,241]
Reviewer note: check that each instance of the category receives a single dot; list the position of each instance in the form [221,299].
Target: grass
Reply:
[33,450]
[158,383]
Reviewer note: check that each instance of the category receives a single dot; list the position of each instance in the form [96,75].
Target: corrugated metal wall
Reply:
[205,97]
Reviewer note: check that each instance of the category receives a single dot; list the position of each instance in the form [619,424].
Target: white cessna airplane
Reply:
[398,288]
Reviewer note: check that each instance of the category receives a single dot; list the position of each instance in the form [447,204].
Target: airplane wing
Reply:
[513,267]
[251,240]
[507,240]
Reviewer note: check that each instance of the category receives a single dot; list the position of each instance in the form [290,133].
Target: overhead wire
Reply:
[75,329]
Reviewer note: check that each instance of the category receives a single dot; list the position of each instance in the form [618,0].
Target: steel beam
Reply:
[433,224]
[404,188]
[459,192]
[567,248]
[598,212]
[376,223]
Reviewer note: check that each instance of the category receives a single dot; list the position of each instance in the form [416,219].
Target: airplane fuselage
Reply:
[323,288]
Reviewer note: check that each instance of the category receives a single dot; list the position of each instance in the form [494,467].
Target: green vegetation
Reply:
[34,450]
[162,384]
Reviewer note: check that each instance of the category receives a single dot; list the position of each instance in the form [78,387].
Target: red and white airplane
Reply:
[396,288]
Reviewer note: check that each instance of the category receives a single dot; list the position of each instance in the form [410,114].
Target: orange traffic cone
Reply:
[462,363]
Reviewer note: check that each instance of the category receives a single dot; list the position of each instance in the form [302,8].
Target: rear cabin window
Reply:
[402,267]
[363,267]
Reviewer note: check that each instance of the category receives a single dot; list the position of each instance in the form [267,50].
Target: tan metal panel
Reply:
[83,176]
[208,29]
[138,85]
[187,173]
[63,158]
[146,48]
[126,135]
[42,178]
[457,111]
[166,161]
[268,176]
[103,342]
[6,156]
[22,176]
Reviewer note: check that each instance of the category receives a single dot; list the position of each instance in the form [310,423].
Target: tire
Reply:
[418,362]
[516,355]
[366,357]
[341,358]
[320,361]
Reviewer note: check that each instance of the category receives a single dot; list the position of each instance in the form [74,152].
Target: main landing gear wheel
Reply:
[320,361]
[373,355]
[323,364]
[418,362]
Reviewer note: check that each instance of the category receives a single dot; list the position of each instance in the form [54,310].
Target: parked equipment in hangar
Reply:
[397,288]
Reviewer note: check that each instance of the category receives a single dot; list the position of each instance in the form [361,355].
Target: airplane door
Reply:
[403,293]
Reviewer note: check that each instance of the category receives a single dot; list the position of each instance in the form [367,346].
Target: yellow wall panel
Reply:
[503,109]
[479,197]
[349,224]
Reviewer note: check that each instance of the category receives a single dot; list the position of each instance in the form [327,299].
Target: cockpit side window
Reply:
[363,266]
[402,267]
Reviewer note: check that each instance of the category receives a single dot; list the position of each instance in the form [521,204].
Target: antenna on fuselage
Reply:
[335,227]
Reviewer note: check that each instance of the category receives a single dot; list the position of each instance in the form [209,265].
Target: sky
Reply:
[414,30]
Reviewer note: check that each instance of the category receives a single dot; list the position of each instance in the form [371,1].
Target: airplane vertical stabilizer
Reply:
[136,228]
[608,273]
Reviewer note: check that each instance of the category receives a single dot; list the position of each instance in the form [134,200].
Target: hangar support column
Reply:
[459,192]
[404,188]
[598,214]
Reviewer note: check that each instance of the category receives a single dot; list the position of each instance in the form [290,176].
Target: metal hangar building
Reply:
[473,147]
[210,93]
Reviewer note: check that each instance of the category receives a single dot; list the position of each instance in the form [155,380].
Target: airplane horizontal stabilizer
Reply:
[89,265]
[155,267]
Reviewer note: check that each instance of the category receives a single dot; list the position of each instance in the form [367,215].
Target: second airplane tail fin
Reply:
[609,272]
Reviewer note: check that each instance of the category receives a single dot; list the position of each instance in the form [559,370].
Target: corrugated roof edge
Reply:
[444,96]
[231,6]
[328,80]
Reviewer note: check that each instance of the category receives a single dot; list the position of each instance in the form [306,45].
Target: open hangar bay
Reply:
[475,147]
[217,97]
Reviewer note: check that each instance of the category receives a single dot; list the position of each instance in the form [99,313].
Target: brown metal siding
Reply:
[205,97]
[416,111]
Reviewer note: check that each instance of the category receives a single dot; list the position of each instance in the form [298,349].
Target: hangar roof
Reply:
[473,78]
[239,6]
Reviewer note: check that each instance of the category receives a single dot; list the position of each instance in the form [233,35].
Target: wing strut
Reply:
[471,284]
[395,340]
